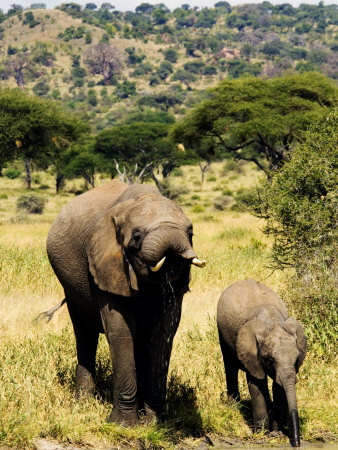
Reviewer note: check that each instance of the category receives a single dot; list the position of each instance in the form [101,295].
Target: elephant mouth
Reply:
[195,261]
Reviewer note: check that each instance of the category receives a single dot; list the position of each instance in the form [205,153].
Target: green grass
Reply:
[37,361]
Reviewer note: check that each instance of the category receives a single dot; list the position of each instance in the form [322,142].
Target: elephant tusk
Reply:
[158,265]
[197,262]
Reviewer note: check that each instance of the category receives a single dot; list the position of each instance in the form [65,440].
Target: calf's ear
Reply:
[247,347]
[107,263]
[295,328]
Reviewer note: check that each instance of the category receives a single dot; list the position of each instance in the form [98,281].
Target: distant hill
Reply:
[156,58]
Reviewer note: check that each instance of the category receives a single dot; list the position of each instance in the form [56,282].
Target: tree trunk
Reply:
[28,174]
[203,170]
[19,79]
[59,181]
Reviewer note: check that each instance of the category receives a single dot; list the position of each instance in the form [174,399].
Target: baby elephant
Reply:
[257,336]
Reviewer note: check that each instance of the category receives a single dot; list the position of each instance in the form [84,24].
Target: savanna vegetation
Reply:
[90,93]
[38,359]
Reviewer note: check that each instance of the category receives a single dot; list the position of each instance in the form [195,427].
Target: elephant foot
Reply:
[85,385]
[261,425]
[125,419]
[147,415]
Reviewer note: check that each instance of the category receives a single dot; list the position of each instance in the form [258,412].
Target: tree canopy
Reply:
[141,143]
[254,119]
[34,129]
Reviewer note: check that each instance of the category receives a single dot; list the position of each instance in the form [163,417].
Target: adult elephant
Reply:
[123,256]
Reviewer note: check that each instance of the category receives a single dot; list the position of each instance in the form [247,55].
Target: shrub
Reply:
[171,191]
[212,178]
[245,198]
[177,172]
[231,166]
[222,202]
[13,173]
[210,70]
[300,206]
[31,203]
[171,55]
[198,209]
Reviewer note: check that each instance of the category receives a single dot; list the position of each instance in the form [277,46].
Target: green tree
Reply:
[185,77]
[144,144]
[300,207]
[171,55]
[104,60]
[80,161]
[256,120]
[35,130]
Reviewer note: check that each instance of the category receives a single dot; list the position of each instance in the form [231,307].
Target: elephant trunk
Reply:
[162,242]
[290,391]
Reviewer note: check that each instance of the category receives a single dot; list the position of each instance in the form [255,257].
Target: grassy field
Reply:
[37,362]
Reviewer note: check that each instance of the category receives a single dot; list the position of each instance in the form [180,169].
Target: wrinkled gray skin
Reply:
[257,336]
[101,247]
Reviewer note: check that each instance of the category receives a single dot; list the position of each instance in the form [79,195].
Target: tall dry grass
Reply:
[37,361]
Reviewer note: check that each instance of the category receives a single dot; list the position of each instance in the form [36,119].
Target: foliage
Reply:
[42,54]
[300,202]
[125,89]
[142,143]
[231,120]
[104,60]
[171,55]
[222,202]
[12,173]
[300,206]
[41,88]
[34,129]
[31,203]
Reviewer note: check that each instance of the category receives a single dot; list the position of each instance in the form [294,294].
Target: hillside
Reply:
[45,52]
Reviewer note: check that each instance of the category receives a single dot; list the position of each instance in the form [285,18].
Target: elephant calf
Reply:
[257,336]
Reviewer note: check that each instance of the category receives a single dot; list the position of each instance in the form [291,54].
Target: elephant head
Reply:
[277,349]
[140,239]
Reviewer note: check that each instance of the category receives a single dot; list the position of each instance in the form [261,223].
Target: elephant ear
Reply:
[107,263]
[295,328]
[247,347]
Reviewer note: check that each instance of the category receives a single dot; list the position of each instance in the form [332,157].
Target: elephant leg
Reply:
[118,323]
[260,400]
[153,350]
[280,408]
[231,371]
[86,345]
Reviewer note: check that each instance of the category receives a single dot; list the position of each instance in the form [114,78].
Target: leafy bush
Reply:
[222,202]
[245,198]
[13,173]
[231,166]
[198,209]
[171,55]
[171,191]
[210,70]
[300,207]
[31,204]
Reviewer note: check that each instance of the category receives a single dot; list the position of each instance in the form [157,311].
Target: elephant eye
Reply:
[135,241]
[190,234]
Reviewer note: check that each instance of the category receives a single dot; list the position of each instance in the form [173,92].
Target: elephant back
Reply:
[238,303]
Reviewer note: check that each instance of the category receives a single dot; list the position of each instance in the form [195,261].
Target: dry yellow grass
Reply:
[38,361]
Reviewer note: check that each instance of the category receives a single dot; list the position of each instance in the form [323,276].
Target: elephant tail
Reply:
[49,314]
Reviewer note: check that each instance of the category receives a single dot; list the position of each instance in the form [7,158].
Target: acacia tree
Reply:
[104,60]
[35,130]
[256,120]
[138,150]
[19,66]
